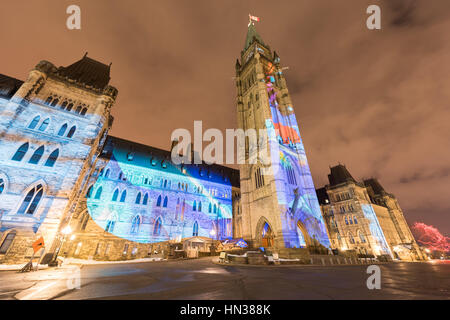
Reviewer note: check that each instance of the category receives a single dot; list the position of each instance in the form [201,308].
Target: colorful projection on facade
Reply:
[376,231]
[151,200]
[302,220]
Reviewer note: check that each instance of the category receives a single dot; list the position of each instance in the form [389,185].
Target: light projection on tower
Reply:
[302,221]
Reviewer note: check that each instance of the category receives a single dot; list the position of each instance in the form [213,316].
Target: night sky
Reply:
[376,101]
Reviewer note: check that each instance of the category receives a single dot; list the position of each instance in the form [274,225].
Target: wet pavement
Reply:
[202,279]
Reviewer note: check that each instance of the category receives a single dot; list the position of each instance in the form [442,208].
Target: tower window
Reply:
[195,229]
[44,125]
[145,201]
[62,130]
[31,200]
[78,110]
[83,112]
[138,198]
[123,196]
[52,158]
[20,153]
[71,132]
[165,202]
[115,195]
[54,102]
[158,202]
[69,107]
[37,155]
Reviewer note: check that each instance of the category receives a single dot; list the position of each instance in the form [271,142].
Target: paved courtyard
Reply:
[202,279]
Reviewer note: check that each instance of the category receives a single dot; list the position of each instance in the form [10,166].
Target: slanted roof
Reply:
[142,155]
[375,185]
[339,174]
[8,86]
[251,34]
[87,71]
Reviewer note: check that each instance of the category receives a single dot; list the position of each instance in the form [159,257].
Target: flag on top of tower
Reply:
[252,18]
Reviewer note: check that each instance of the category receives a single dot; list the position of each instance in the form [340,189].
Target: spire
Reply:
[251,35]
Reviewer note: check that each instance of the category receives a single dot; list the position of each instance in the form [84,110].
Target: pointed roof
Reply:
[8,86]
[251,34]
[87,71]
[375,185]
[339,174]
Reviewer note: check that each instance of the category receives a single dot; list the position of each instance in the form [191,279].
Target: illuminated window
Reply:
[355,221]
[200,206]
[107,173]
[63,105]
[158,225]
[44,125]
[361,236]
[123,196]
[34,122]
[138,198]
[165,202]
[49,100]
[7,242]
[115,195]
[62,130]
[54,102]
[145,201]
[37,155]
[71,132]
[125,249]
[158,202]
[351,239]
[194,207]
[83,112]
[31,200]
[209,207]
[20,153]
[135,224]
[195,229]
[215,209]
[69,107]
[52,158]
[98,194]
[346,221]
[78,110]
[110,224]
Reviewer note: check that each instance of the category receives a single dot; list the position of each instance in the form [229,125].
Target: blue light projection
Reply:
[148,199]
[376,231]
[302,221]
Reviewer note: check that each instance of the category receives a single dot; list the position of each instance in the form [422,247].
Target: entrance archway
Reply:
[266,236]
[303,234]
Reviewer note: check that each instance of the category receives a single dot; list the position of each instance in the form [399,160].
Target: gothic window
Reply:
[200,206]
[361,236]
[110,224]
[195,229]
[350,220]
[69,107]
[138,198]
[215,209]
[145,201]
[135,224]
[98,194]
[20,153]
[355,221]
[209,207]
[158,225]
[123,196]
[194,207]
[165,202]
[89,192]
[49,100]
[346,221]
[62,130]
[31,200]
[107,173]
[83,112]
[351,239]
[52,158]
[63,105]
[54,102]
[71,132]
[2,185]
[7,242]
[34,122]
[165,183]
[115,195]
[158,202]
[259,178]
[44,125]
[37,155]
[78,110]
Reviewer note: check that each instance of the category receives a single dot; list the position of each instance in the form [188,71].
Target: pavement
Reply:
[203,280]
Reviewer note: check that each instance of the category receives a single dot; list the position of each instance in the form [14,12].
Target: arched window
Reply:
[69,107]
[165,184]
[71,132]
[200,206]
[31,200]
[44,125]
[195,229]
[215,209]
[123,196]
[158,202]
[7,242]
[138,198]
[107,173]
[361,236]
[135,224]
[62,130]
[346,220]
[63,105]
[194,206]
[83,112]
[145,201]
[165,202]
[37,155]
[350,220]
[34,122]
[52,158]
[110,224]
[54,102]
[158,225]
[209,207]
[20,153]
[98,194]
[350,238]
[2,185]
[49,100]
[355,221]
[89,192]
[78,110]
[115,195]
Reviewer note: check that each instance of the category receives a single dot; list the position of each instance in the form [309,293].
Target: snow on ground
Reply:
[9,267]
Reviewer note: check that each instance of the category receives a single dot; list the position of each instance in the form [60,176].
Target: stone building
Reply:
[363,217]
[279,204]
